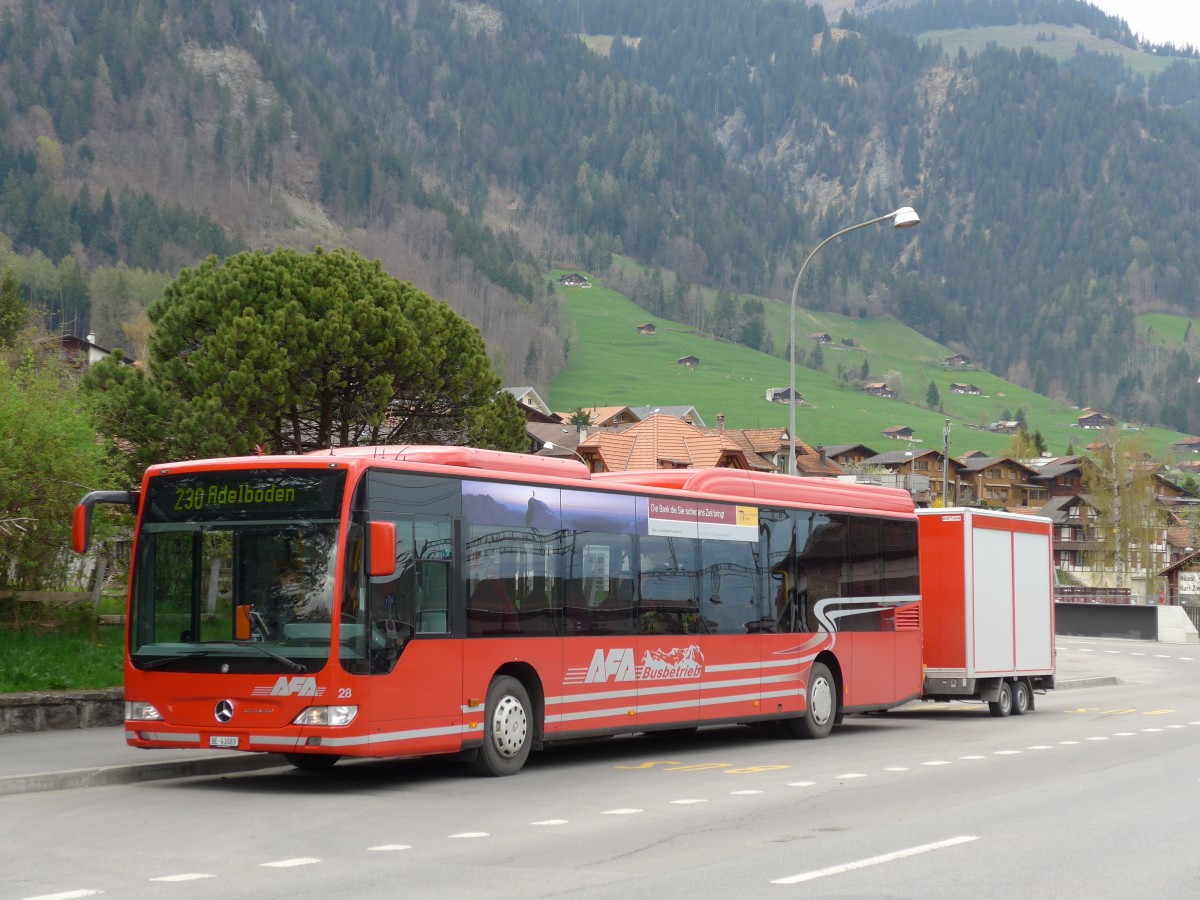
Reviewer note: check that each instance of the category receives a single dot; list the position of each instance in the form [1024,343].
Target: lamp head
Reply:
[905,217]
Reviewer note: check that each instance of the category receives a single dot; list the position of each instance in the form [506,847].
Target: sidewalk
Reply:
[94,757]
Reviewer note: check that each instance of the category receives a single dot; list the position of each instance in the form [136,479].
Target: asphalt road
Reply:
[1093,795]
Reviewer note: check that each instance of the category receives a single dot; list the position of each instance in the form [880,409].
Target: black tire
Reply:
[821,703]
[312,762]
[1003,705]
[507,729]
[1020,698]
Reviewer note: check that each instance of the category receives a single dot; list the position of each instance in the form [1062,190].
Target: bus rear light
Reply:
[136,711]
[327,715]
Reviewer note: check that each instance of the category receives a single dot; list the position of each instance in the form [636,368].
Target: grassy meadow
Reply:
[610,364]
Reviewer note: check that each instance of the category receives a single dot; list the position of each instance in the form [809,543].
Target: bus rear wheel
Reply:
[507,721]
[822,706]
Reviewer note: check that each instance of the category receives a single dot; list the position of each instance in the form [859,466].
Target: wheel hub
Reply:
[509,727]
[820,701]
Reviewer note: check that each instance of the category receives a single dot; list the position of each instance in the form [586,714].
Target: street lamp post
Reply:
[904,217]
[552,446]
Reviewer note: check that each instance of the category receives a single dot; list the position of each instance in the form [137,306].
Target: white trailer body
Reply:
[987,606]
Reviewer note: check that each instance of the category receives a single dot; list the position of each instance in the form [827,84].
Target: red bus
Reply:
[414,600]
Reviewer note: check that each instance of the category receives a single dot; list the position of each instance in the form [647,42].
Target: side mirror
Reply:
[81,519]
[382,562]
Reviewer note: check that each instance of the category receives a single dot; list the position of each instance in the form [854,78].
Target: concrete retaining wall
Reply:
[60,710]
[1134,621]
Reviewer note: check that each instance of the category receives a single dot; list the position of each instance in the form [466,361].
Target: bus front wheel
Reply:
[506,729]
[312,762]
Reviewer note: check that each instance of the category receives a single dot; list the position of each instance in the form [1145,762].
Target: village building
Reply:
[783,395]
[898,433]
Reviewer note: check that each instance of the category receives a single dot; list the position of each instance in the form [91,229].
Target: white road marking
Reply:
[467,835]
[1068,743]
[874,860]
[1097,739]
[896,769]
[937,762]
[67,895]
[1005,752]
[388,847]
[1177,726]
[1151,729]
[289,863]
[973,756]
[801,783]
[621,812]
[743,793]
[188,876]
[852,775]
[1125,734]
[688,801]
[551,822]
[1040,747]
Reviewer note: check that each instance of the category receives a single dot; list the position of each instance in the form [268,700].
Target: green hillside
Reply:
[1059,42]
[1167,330]
[610,364]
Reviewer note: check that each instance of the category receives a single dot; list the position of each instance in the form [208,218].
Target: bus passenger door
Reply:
[670,658]
[732,639]
[416,683]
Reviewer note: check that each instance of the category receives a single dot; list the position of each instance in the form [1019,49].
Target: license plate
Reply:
[223,740]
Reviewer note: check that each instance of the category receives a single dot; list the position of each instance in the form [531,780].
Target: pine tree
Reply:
[14,312]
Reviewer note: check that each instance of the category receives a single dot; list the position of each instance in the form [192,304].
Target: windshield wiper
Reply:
[168,660]
[278,657]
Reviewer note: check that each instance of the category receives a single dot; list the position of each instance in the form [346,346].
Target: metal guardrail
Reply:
[1074,594]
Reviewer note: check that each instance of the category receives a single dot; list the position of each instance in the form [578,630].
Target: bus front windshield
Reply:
[228,587]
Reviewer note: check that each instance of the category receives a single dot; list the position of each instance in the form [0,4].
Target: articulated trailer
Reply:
[987,586]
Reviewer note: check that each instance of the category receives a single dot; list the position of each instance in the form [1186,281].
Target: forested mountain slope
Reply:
[472,146]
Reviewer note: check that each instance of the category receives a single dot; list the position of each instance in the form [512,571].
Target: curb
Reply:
[129,774]
[1100,681]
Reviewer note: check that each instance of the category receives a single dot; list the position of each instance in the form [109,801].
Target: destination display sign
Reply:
[247,494]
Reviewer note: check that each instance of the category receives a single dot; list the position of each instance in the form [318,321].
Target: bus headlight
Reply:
[327,715]
[136,711]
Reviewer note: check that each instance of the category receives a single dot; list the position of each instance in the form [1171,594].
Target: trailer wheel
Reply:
[506,726]
[1020,698]
[1003,704]
[822,710]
